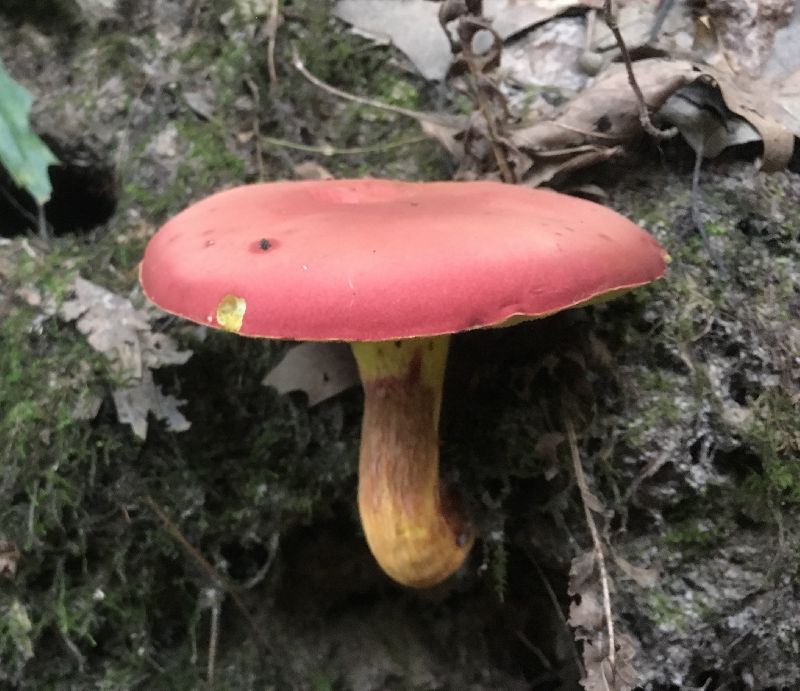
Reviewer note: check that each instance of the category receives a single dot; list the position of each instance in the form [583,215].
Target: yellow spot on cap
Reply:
[230,313]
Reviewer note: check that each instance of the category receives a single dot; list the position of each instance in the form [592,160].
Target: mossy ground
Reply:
[683,394]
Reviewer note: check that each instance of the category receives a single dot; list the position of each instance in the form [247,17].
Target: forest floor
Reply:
[121,552]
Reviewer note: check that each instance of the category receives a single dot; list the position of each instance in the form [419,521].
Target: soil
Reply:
[684,395]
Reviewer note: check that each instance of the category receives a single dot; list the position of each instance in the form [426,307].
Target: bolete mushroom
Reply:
[394,268]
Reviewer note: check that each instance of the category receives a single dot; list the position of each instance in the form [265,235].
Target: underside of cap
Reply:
[369,260]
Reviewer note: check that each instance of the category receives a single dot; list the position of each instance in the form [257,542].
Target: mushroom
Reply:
[394,268]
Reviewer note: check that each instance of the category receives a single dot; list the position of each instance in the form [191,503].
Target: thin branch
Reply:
[213,639]
[697,219]
[257,125]
[557,607]
[494,137]
[580,478]
[316,81]
[328,150]
[644,113]
[272,31]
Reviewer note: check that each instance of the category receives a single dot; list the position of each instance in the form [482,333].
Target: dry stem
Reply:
[644,113]
[580,479]
[213,575]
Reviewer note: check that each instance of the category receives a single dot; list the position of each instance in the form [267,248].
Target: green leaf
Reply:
[24,155]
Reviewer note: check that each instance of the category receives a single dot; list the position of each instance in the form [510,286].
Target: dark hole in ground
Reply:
[84,198]
[740,462]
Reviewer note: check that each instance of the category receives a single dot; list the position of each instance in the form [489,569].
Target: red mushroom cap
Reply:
[369,260]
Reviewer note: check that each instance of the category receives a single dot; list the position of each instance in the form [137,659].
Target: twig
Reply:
[557,607]
[316,81]
[466,35]
[540,656]
[494,137]
[256,125]
[43,225]
[328,150]
[213,637]
[213,575]
[697,219]
[580,478]
[644,114]
[274,543]
[272,31]
[35,221]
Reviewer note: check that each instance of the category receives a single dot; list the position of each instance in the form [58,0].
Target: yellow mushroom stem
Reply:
[413,525]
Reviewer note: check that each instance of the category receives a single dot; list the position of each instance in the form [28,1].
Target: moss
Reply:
[775,438]
[693,536]
[666,612]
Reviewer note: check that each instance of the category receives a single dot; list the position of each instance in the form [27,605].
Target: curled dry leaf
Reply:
[705,122]
[320,370]
[760,104]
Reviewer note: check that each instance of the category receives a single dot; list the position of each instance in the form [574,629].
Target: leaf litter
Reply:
[123,334]
[723,47]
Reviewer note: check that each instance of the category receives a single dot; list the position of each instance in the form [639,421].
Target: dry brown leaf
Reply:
[705,122]
[746,30]
[320,370]
[757,103]
[547,167]
[607,113]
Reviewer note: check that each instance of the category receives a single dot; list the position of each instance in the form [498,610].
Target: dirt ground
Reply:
[685,395]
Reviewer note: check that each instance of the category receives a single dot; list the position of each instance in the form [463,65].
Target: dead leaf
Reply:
[644,578]
[413,25]
[136,401]
[704,121]
[311,170]
[755,101]
[548,56]
[592,126]
[122,333]
[200,103]
[601,676]
[746,30]
[586,609]
[9,558]
[320,370]
[586,616]
[636,20]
